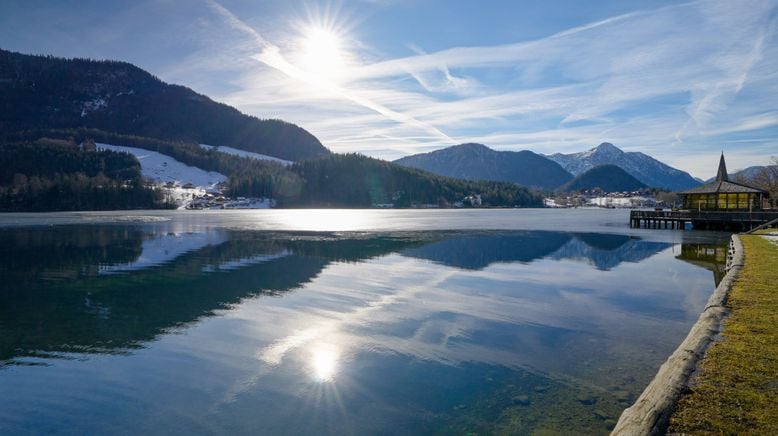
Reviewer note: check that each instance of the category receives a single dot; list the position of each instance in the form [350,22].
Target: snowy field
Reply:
[244,153]
[163,169]
[621,201]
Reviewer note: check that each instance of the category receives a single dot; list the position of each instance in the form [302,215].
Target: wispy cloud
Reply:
[272,56]
[679,81]
[669,81]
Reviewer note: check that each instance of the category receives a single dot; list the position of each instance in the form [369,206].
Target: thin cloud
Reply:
[686,75]
[271,55]
[471,56]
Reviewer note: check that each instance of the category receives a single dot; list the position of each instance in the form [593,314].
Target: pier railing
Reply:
[652,214]
[720,220]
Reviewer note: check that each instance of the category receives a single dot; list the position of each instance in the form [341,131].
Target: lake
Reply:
[339,321]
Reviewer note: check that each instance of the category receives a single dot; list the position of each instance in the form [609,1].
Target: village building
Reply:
[723,194]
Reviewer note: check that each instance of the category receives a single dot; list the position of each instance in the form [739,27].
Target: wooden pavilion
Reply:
[723,194]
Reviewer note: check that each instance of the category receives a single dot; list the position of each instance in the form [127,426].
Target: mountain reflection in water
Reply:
[433,331]
[603,251]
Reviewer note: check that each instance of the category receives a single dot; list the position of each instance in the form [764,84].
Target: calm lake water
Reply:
[339,321]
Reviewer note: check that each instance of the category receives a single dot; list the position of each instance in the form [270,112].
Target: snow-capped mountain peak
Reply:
[602,152]
[606,148]
[641,166]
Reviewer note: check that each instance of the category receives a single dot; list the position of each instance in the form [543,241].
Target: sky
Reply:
[680,81]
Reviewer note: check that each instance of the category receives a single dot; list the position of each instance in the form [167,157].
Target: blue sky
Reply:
[680,81]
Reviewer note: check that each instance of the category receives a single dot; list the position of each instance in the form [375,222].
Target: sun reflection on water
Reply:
[324,362]
[324,220]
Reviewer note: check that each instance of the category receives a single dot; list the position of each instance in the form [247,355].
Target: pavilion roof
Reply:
[724,187]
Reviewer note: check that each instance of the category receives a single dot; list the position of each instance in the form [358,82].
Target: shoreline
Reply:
[734,391]
[651,412]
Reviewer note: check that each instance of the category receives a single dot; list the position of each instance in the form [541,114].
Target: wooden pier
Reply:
[705,220]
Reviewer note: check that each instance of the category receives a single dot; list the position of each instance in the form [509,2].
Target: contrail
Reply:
[271,56]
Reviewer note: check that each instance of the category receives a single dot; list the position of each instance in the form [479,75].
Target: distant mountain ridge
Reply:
[478,162]
[44,92]
[609,178]
[641,166]
[745,175]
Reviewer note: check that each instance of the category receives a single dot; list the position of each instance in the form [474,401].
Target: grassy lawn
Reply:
[736,391]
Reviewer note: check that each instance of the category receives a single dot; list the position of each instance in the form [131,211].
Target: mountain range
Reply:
[45,92]
[479,162]
[75,101]
[641,166]
[746,175]
[623,171]
[56,110]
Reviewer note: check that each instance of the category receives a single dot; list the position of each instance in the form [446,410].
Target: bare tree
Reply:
[767,179]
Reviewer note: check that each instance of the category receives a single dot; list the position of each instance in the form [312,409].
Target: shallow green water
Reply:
[160,323]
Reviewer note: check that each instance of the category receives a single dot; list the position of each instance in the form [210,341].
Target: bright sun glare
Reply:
[322,53]
[324,362]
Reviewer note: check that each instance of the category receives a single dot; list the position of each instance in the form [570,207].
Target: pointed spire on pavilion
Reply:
[722,175]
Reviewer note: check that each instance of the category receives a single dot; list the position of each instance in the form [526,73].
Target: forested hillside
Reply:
[609,178]
[247,177]
[50,107]
[333,181]
[358,181]
[55,93]
[56,175]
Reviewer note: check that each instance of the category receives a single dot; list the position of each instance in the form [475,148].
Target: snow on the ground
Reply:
[625,202]
[620,202]
[244,153]
[550,202]
[164,248]
[772,237]
[163,168]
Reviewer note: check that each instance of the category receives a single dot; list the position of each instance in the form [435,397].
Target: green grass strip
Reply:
[736,389]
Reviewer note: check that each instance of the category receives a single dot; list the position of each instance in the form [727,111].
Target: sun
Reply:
[322,54]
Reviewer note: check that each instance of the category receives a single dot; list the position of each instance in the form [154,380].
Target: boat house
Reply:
[723,194]
[719,205]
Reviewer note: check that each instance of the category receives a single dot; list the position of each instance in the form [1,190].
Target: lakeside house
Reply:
[724,194]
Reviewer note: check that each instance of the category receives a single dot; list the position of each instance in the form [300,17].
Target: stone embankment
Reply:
[651,412]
